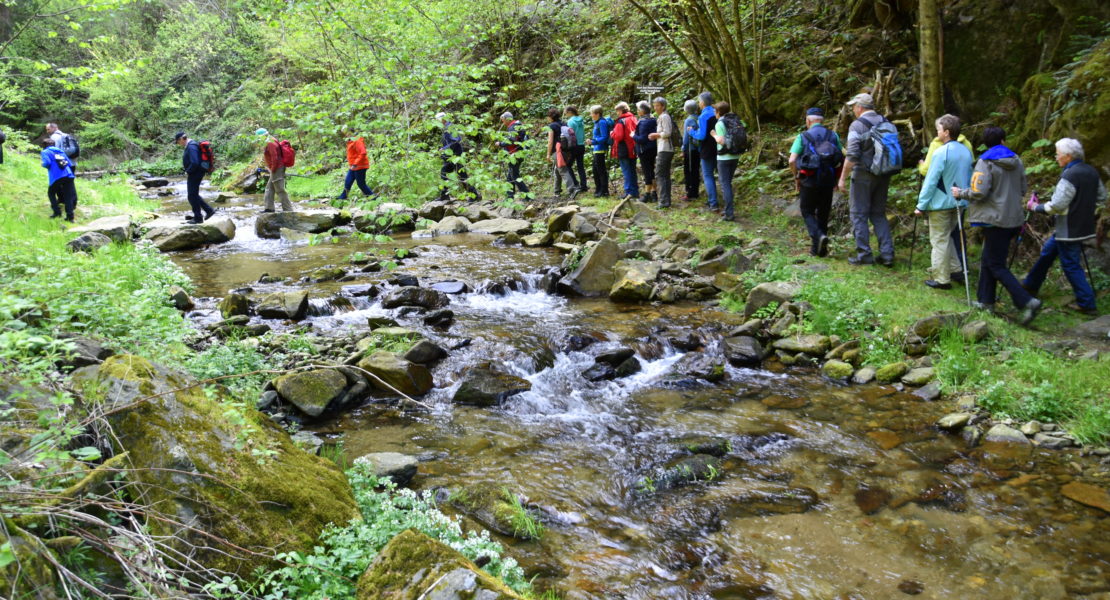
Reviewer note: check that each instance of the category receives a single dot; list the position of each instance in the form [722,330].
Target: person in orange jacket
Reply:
[358,163]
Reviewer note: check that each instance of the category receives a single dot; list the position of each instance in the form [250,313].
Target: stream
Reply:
[826,491]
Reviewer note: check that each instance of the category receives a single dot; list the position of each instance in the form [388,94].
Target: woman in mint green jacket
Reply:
[951,166]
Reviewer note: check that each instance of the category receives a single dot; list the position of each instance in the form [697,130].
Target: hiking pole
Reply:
[913,243]
[1021,234]
[963,248]
[1087,266]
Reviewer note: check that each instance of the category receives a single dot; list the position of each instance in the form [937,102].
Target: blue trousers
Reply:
[628,171]
[727,169]
[1070,254]
[356,177]
[708,172]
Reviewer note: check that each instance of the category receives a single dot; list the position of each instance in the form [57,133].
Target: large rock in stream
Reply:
[594,275]
[501,226]
[483,386]
[411,295]
[413,566]
[205,476]
[635,280]
[391,374]
[312,392]
[171,234]
[291,305]
[269,225]
[118,228]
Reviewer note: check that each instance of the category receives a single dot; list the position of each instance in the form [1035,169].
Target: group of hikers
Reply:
[957,193]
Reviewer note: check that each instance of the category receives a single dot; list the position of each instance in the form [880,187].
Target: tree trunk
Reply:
[932,98]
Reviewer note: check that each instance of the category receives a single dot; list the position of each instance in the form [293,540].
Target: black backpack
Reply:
[820,155]
[69,145]
[736,136]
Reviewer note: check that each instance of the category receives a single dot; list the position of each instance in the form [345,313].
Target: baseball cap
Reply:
[865,100]
[815,112]
[177,136]
[261,131]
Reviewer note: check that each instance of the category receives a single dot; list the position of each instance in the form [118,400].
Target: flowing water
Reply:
[826,491]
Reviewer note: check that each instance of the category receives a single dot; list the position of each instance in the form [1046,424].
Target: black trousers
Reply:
[514,179]
[63,193]
[816,203]
[601,173]
[192,193]
[647,164]
[578,166]
[993,269]
[448,168]
[691,172]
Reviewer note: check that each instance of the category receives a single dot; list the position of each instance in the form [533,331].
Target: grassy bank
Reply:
[1010,373]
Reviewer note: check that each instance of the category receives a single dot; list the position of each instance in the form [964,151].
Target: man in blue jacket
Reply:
[600,141]
[950,167]
[59,172]
[707,147]
[195,170]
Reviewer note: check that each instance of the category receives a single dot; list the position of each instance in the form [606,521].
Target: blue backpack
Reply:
[887,159]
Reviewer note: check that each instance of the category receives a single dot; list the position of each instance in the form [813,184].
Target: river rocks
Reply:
[594,275]
[450,226]
[628,368]
[559,218]
[434,210]
[1096,329]
[401,468]
[292,305]
[777,292]
[536,240]
[440,319]
[234,304]
[414,296]
[635,280]
[892,372]
[397,374]
[89,241]
[425,353]
[870,499]
[864,376]
[930,327]
[326,274]
[780,401]
[450,287]
[919,376]
[614,358]
[414,566]
[196,470]
[814,345]
[181,299]
[1085,493]
[170,234]
[953,421]
[928,392]
[117,228]
[732,261]
[743,351]
[837,369]
[495,507]
[501,226]
[1005,434]
[269,225]
[699,467]
[483,386]
[312,392]
[1052,441]
[701,366]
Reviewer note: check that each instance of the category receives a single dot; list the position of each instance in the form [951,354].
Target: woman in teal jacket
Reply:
[951,166]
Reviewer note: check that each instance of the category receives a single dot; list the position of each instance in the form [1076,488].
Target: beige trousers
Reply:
[945,258]
[276,185]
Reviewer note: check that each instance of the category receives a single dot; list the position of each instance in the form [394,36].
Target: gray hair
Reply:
[596,109]
[1070,147]
[691,107]
[706,98]
[661,101]
[621,106]
[441,116]
[644,106]
[951,124]
[506,116]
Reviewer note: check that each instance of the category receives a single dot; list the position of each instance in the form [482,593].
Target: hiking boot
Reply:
[56,216]
[823,246]
[861,260]
[936,285]
[1090,312]
[958,277]
[572,194]
[268,210]
[983,306]
[886,262]
[729,218]
[210,214]
[1029,311]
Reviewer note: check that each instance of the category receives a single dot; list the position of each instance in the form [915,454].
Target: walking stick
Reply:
[1021,234]
[913,243]
[1087,266]
[963,248]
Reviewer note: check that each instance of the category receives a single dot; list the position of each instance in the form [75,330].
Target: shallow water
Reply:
[952,522]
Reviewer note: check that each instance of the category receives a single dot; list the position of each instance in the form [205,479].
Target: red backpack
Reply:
[207,155]
[288,155]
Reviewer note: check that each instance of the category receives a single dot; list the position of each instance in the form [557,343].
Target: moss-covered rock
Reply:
[229,494]
[234,304]
[484,386]
[312,392]
[891,372]
[284,305]
[497,508]
[413,566]
[393,373]
[837,369]
[30,573]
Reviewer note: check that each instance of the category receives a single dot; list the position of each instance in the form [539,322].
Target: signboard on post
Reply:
[649,89]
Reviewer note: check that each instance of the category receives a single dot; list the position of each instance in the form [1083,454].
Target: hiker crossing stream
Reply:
[676,475]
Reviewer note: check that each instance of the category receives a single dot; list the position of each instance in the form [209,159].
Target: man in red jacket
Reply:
[276,164]
[624,149]
[358,162]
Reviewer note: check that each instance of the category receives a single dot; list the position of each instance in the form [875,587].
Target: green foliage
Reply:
[235,358]
[733,303]
[524,524]
[331,570]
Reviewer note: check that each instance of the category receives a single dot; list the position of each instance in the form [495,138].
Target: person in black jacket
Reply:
[450,150]
[646,148]
[195,170]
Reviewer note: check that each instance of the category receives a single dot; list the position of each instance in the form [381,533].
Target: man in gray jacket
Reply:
[869,191]
[995,195]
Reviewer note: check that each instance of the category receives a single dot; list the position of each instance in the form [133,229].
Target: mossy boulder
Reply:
[234,304]
[292,305]
[229,494]
[312,392]
[891,372]
[635,280]
[496,508]
[483,386]
[413,566]
[393,373]
[837,369]
[30,573]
